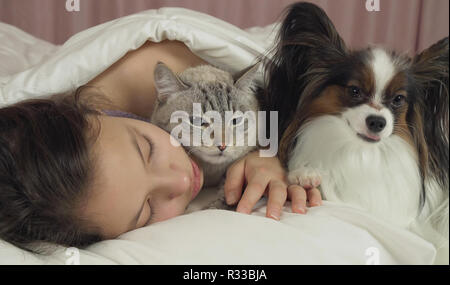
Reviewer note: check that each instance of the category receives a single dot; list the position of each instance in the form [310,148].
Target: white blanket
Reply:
[330,234]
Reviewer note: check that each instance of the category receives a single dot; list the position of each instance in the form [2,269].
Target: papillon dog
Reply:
[368,128]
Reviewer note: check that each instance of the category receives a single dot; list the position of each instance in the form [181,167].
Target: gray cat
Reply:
[215,90]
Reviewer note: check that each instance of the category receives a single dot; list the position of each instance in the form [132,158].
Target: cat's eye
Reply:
[198,122]
[237,121]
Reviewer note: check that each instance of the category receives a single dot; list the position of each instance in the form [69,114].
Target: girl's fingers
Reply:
[277,198]
[298,198]
[314,197]
[256,186]
[234,182]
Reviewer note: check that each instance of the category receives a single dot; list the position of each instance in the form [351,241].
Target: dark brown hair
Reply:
[47,168]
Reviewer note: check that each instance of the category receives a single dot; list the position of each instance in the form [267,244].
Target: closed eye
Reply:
[147,200]
[151,147]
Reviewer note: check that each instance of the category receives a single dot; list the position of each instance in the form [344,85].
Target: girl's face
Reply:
[142,177]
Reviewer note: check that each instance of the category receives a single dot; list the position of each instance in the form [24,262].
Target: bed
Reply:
[330,234]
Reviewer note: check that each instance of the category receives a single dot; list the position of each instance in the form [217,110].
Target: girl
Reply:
[73,175]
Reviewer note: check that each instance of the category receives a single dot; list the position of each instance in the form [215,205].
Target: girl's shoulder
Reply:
[129,83]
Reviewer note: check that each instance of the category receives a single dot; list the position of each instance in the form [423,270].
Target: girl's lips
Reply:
[195,179]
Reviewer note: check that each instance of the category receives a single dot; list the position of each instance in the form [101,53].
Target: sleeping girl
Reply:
[73,175]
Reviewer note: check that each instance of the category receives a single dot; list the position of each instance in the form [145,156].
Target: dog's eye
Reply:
[398,100]
[355,91]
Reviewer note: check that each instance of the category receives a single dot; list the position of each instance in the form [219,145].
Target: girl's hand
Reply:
[264,175]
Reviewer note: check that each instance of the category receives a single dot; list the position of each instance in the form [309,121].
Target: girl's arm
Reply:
[265,175]
[129,84]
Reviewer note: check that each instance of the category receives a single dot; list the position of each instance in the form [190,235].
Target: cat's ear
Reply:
[166,82]
[247,80]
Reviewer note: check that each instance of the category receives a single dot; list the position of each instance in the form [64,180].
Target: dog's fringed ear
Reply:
[308,26]
[306,46]
[430,74]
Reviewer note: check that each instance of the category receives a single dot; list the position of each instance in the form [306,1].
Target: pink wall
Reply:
[405,25]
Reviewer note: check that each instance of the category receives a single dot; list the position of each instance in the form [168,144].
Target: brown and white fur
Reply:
[368,128]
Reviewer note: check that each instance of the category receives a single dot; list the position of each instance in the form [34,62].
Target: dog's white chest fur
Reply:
[383,177]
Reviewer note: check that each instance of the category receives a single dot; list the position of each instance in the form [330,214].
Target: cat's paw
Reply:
[306,177]
[220,204]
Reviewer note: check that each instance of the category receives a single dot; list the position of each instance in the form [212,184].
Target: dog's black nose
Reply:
[376,123]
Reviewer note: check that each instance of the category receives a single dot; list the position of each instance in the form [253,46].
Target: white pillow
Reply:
[330,234]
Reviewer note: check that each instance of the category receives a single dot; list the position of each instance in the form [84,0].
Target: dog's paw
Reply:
[306,177]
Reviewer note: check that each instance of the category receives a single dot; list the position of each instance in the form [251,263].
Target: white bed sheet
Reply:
[330,234]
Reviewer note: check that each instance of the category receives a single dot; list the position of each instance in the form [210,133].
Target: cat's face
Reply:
[222,115]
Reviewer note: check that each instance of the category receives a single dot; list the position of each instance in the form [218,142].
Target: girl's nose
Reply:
[174,182]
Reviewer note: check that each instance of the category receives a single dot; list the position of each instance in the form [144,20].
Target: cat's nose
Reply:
[222,147]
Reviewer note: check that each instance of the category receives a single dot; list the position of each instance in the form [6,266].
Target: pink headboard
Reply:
[404,25]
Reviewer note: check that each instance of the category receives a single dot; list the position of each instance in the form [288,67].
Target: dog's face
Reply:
[377,93]
[372,98]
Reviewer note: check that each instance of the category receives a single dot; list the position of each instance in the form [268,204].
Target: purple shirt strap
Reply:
[117,113]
